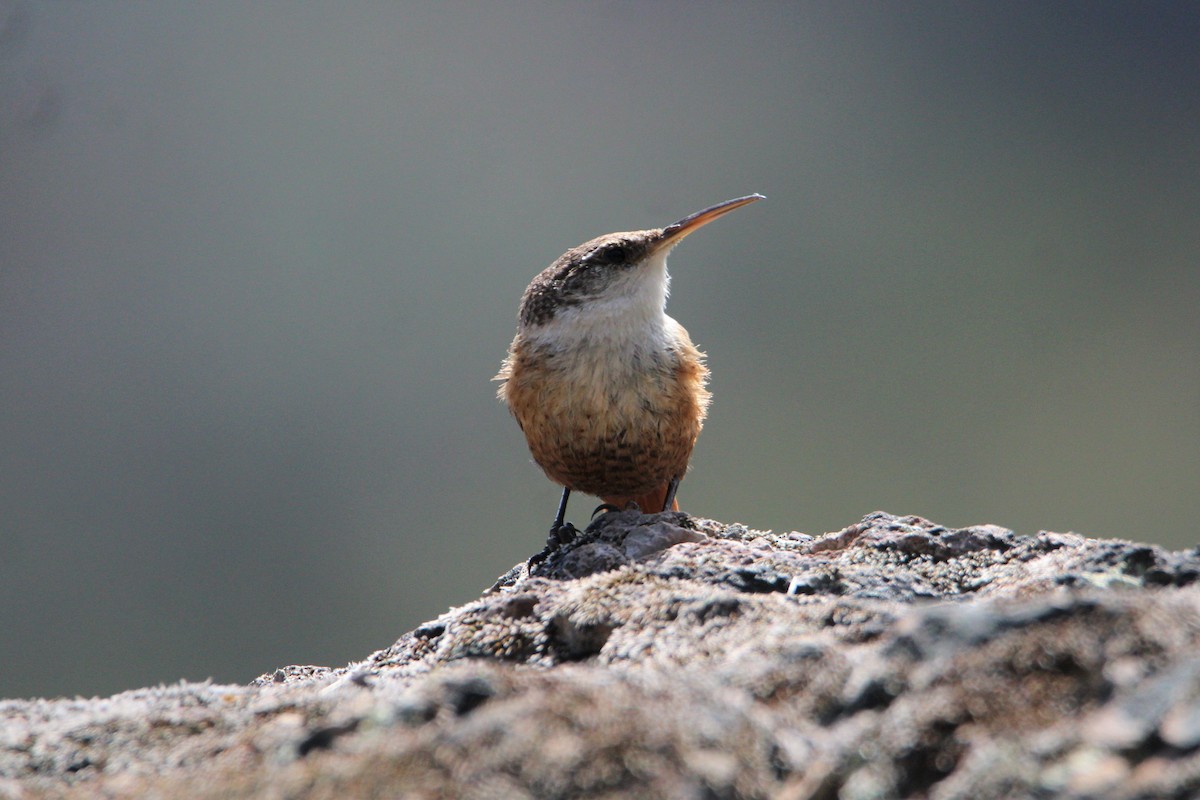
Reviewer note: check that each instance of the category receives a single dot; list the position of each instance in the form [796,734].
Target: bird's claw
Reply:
[605,507]
[559,536]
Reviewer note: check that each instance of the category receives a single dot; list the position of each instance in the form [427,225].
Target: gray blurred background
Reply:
[259,262]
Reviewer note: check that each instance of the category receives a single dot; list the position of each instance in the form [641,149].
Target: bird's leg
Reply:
[562,510]
[561,532]
[672,488]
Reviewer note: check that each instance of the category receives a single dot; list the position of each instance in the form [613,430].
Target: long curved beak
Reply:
[673,234]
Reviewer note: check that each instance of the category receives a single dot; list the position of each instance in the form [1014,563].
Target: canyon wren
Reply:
[608,389]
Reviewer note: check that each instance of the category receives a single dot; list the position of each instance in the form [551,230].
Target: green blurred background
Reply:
[259,261]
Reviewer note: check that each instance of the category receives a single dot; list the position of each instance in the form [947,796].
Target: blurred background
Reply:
[259,262]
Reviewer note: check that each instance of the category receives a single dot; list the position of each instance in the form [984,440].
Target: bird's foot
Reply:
[562,534]
[559,536]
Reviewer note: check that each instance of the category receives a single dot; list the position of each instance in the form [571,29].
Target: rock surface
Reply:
[666,656]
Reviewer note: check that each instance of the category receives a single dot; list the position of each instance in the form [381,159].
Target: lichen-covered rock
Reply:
[665,656]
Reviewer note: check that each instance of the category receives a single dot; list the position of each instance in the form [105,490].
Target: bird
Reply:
[608,389]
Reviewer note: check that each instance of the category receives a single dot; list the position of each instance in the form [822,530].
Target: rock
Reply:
[667,656]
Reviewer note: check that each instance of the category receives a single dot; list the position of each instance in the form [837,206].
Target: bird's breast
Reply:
[608,415]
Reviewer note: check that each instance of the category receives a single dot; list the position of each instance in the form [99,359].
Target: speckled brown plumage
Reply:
[619,431]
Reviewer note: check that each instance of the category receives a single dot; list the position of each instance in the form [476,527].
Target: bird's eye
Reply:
[615,254]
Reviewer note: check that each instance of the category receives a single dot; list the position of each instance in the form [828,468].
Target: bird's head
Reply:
[618,279]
